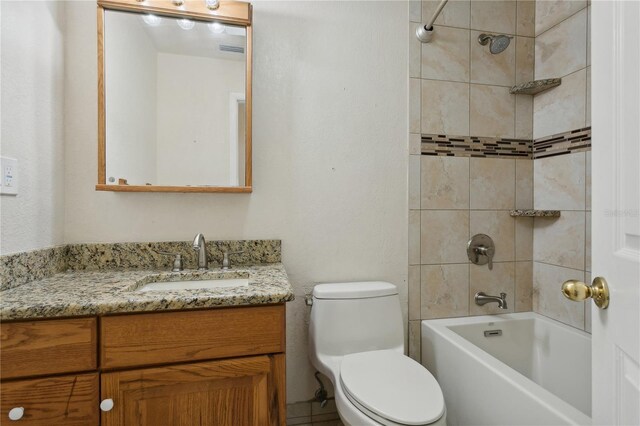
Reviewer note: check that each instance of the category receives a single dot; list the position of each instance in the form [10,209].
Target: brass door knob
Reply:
[578,291]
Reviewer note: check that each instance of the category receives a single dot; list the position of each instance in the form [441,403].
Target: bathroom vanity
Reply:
[99,347]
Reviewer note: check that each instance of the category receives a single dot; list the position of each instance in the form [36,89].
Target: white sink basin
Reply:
[195,284]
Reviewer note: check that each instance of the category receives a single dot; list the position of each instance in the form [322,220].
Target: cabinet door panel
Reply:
[64,400]
[226,392]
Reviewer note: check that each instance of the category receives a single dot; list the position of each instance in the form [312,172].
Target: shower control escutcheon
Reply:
[480,250]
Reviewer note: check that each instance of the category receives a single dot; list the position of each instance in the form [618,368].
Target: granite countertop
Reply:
[115,291]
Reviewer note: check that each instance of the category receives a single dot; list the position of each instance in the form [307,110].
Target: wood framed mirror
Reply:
[174,96]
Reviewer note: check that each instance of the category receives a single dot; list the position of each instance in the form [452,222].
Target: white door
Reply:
[615,82]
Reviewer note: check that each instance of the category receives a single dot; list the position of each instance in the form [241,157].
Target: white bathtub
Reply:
[538,372]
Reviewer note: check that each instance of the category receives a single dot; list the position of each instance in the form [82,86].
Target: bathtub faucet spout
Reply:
[482,298]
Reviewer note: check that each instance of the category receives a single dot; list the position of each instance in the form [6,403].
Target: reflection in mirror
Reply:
[175,101]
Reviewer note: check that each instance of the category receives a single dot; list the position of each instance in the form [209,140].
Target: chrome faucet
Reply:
[201,247]
[482,298]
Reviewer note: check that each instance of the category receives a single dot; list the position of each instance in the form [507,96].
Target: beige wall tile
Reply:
[524,116]
[587,242]
[414,182]
[498,16]
[526,18]
[548,299]
[444,182]
[524,238]
[446,57]
[454,14]
[446,108]
[487,68]
[524,184]
[492,183]
[501,279]
[587,181]
[414,144]
[415,10]
[524,286]
[414,292]
[415,92]
[525,54]
[589,35]
[560,241]
[561,108]
[444,236]
[492,111]
[587,121]
[500,227]
[563,49]
[415,51]
[445,291]
[414,237]
[551,12]
[414,341]
[559,182]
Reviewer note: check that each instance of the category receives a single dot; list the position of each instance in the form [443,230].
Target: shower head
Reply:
[498,42]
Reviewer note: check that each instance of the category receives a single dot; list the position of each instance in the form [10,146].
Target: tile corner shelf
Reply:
[534,213]
[535,87]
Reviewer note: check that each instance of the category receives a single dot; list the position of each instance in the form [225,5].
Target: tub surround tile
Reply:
[414,237]
[497,16]
[551,12]
[415,10]
[524,286]
[474,146]
[589,35]
[114,291]
[500,227]
[526,18]
[414,143]
[444,236]
[501,279]
[573,141]
[414,292]
[524,184]
[446,57]
[445,107]
[524,56]
[444,182]
[562,50]
[444,291]
[415,49]
[548,299]
[587,120]
[561,241]
[561,108]
[414,105]
[20,268]
[415,341]
[414,181]
[492,111]
[559,182]
[492,183]
[455,14]
[524,238]
[524,117]
[487,68]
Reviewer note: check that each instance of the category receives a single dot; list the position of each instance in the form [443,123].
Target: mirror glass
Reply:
[174,101]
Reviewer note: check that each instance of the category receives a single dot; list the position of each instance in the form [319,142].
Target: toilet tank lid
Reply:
[355,290]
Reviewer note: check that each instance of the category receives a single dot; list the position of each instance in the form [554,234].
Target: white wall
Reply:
[329,161]
[32,74]
[193,118]
[130,69]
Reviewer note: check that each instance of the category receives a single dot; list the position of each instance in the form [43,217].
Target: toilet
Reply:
[356,339]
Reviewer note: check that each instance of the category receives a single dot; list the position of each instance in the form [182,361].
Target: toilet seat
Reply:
[391,388]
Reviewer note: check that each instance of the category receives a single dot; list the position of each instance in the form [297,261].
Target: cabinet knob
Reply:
[106,404]
[16,413]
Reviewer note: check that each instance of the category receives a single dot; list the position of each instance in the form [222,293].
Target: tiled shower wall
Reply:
[562,246]
[457,88]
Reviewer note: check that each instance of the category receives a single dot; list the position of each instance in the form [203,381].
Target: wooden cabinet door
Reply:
[225,392]
[61,400]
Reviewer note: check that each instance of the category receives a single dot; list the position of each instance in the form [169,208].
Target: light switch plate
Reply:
[9,178]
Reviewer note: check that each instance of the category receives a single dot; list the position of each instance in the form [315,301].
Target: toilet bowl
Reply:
[356,339]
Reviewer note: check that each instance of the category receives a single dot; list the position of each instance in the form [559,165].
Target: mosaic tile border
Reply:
[577,140]
[20,268]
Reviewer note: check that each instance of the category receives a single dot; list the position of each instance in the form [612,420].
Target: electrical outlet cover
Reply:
[9,178]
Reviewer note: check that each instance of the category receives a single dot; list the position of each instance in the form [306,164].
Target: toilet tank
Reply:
[355,317]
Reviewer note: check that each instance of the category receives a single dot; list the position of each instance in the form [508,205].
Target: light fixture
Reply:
[152,20]
[212,4]
[186,24]
[216,27]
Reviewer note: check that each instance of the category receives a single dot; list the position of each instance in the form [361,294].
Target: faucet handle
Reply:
[226,263]
[178,266]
